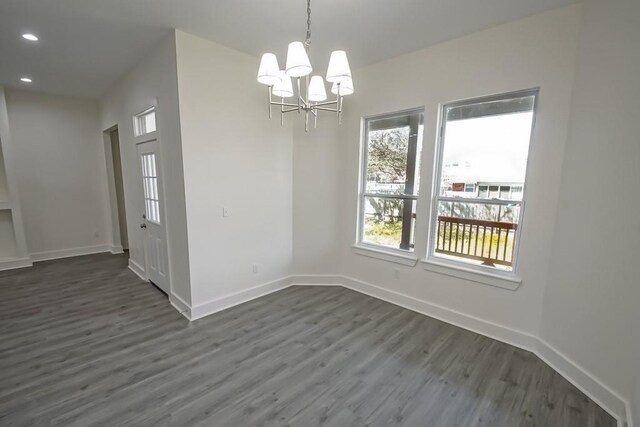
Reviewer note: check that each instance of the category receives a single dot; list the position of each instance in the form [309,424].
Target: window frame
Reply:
[363,194]
[139,129]
[466,269]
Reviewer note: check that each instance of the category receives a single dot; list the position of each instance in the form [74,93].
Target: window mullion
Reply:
[407,205]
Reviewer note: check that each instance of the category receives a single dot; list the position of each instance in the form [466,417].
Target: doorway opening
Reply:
[116,190]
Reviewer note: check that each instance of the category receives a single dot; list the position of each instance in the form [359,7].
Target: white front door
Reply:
[153,225]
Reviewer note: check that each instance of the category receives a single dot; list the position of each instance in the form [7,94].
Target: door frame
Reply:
[116,242]
[148,137]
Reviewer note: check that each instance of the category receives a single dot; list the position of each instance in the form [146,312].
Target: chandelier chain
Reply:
[307,42]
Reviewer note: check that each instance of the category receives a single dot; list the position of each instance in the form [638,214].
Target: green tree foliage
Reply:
[387,164]
[388,155]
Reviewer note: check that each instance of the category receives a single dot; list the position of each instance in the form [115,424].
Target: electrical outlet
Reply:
[254,268]
[226,212]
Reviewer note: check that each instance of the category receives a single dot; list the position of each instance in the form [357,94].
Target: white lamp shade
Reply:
[284,89]
[269,71]
[345,88]
[338,66]
[317,92]
[298,64]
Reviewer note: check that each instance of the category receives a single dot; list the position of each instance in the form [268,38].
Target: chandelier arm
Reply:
[284,104]
[322,104]
[312,109]
[333,110]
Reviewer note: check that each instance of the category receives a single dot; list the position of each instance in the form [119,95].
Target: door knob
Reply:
[143,225]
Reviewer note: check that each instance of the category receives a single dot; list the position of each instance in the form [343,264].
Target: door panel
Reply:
[154,221]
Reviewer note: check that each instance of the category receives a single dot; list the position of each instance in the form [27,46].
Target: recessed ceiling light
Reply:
[30,37]
[25,79]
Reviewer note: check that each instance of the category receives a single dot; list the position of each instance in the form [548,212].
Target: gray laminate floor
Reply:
[84,342]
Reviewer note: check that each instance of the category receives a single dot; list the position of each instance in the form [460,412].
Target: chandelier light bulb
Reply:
[269,71]
[317,92]
[298,64]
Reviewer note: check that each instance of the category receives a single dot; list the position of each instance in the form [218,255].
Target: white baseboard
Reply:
[66,253]
[595,389]
[116,249]
[231,300]
[586,382]
[12,263]
[317,280]
[496,331]
[180,305]
[137,269]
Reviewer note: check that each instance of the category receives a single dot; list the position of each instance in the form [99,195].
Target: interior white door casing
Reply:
[153,220]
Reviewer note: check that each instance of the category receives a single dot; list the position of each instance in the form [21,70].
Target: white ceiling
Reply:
[86,45]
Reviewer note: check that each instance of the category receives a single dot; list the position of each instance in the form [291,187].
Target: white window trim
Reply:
[503,279]
[510,281]
[136,126]
[399,256]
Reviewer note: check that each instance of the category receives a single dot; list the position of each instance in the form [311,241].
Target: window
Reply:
[145,122]
[491,138]
[392,147]
[150,182]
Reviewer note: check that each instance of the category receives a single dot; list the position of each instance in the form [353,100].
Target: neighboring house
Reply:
[486,190]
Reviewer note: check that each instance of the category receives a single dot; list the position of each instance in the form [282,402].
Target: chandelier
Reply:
[298,66]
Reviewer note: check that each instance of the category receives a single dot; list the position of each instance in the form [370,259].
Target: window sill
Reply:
[506,282]
[386,255]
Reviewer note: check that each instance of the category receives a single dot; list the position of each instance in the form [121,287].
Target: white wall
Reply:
[57,152]
[536,51]
[318,194]
[152,80]
[591,304]
[234,157]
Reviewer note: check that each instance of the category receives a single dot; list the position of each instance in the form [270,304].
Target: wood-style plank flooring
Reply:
[84,342]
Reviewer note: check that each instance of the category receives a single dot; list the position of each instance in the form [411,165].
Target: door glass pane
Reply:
[150,187]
